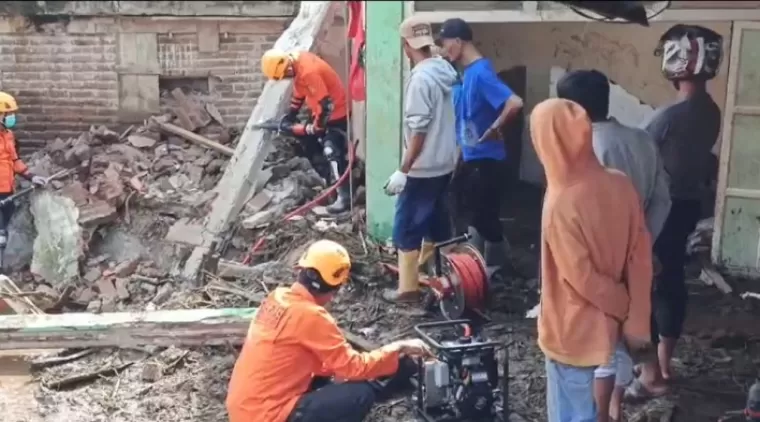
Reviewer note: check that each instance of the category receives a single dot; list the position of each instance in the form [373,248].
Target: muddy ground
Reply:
[715,365]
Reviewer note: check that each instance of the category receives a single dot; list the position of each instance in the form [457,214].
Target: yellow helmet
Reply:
[330,260]
[7,103]
[275,63]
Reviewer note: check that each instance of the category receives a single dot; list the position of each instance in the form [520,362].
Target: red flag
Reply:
[357,33]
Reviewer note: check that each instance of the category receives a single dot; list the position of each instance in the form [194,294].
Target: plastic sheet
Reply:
[58,246]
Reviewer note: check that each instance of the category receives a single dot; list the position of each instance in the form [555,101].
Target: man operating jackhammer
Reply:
[10,165]
[317,85]
[294,347]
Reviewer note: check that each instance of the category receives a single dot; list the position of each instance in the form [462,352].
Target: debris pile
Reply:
[135,204]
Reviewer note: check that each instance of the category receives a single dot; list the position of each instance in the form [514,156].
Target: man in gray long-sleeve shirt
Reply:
[633,152]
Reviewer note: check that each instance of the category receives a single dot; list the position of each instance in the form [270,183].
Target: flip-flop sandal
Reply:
[637,392]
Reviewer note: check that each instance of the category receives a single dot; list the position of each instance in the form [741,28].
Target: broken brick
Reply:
[97,213]
[126,268]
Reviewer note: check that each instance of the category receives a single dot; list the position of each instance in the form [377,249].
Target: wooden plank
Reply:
[125,329]
[139,94]
[254,144]
[179,328]
[208,37]
[138,53]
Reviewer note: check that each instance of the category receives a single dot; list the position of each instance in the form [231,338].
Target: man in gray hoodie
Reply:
[430,153]
[633,152]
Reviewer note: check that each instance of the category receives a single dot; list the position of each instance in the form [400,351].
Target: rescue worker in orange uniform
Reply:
[317,85]
[294,346]
[10,163]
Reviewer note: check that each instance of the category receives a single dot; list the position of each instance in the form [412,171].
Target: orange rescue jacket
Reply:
[314,82]
[10,164]
[291,339]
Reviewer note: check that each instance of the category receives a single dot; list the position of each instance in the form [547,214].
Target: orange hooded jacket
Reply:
[290,340]
[10,163]
[596,259]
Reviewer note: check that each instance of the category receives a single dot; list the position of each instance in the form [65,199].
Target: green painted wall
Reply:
[384,67]
[738,248]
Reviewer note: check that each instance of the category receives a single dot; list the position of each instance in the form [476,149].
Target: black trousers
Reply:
[670,295]
[348,401]
[477,187]
[6,212]
[314,151]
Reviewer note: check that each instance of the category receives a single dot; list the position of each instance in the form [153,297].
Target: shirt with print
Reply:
[478,103]
[686,132]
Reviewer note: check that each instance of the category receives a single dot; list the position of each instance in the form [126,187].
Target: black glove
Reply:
[291,117]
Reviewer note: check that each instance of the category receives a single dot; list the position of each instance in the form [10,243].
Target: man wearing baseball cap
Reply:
[430,152]
[484,105]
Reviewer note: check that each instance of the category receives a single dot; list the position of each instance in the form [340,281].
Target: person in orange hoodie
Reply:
[596,262]
[294,347]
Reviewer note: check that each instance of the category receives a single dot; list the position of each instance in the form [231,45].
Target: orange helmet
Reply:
[7,103]
[275,63]
[330,260]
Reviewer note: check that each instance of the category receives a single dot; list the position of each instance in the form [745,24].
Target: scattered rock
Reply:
[151,372]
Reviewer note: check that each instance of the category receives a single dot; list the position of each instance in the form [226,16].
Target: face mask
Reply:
[9,121]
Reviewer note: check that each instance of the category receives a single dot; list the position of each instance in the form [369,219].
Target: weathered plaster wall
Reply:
[623,52]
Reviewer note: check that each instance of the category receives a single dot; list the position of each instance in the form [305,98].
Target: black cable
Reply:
[612,20]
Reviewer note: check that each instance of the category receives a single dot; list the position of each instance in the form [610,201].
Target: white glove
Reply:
[39,180]
[395,183]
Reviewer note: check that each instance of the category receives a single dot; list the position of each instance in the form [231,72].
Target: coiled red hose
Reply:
[472,277]
[311,204]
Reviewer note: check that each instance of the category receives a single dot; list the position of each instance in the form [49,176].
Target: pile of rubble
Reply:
[137,196]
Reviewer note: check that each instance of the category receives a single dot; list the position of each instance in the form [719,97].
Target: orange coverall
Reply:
[291,339]
[319,86]
[10,163]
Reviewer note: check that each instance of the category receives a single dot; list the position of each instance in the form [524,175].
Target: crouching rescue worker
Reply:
[596,262]
[10,163]
[317,85]
[430,153]
[294,345]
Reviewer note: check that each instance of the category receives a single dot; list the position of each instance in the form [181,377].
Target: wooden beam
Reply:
[238,180]
[180,328]
[194,327]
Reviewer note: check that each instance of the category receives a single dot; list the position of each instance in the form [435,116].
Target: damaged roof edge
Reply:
[249,9]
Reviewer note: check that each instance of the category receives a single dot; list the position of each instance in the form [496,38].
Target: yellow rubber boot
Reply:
[408,279]
[426,253]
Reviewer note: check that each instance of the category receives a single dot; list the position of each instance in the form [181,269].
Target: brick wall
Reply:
[68,76]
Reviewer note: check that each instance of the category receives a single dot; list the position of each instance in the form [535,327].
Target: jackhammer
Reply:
[329,150]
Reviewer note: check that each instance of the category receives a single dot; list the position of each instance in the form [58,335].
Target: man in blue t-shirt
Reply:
[484,105]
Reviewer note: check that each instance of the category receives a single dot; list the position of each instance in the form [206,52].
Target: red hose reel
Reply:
[460,281]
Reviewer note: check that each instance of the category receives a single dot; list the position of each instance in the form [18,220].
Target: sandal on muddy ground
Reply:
[638,392]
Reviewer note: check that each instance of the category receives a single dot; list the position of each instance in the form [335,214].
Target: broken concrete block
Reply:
[259,201]
[94,306]
[148,288]
[104,134]
[139,141]
[97,213]
[183,231]
[122,288]
[164,164]
[126,268]
[163,294]
[106,289]
[151,372]
[259,219]
[58,246]
[92,275]
[84,295]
